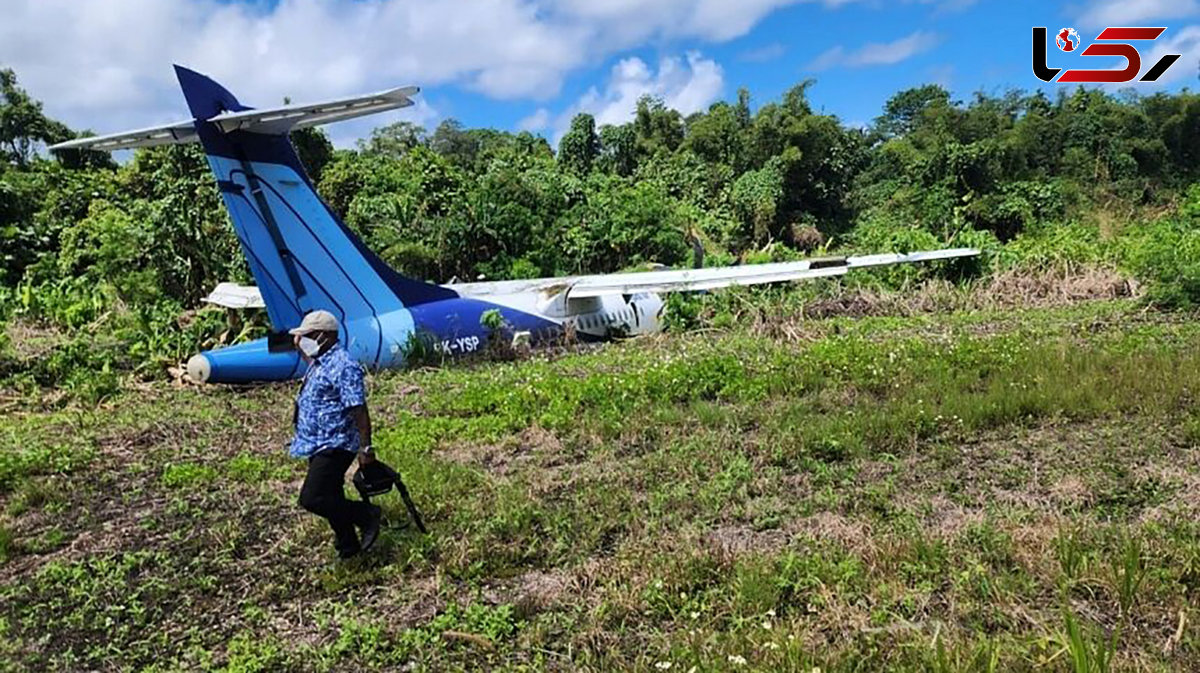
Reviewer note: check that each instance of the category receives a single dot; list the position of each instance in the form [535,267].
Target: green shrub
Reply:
[1166,255]
[1056,244]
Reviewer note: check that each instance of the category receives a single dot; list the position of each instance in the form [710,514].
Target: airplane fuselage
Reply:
[449,328]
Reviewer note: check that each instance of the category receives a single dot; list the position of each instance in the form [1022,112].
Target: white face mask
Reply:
[309,346]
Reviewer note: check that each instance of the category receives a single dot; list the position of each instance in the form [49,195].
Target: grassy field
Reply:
[980,490]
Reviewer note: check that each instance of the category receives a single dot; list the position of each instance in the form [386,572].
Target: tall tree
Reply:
[618,149]
[741,111]
[579,148]
[314,149]
[22,124]
[901,111]
[716,137]
[455,143]
[659,128]
[394,140]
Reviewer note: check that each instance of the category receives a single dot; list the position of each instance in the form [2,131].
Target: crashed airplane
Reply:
[304,258]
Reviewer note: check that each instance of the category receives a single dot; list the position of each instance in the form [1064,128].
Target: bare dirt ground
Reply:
[161,529]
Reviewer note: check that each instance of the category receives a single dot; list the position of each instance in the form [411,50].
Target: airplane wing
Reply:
[269,121]
[690,280]
[677,280]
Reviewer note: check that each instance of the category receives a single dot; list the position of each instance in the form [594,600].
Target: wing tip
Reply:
[232,295]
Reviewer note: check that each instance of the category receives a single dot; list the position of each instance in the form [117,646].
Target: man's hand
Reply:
[362,420]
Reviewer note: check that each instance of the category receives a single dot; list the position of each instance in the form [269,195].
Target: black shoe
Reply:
[370,530]
[348,553]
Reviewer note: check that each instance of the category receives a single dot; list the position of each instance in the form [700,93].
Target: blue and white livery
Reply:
[304,258]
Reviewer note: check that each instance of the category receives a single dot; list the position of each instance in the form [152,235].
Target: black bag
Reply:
[373,479]
[377,478]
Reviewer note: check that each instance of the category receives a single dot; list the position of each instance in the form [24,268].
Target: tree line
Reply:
[83,237]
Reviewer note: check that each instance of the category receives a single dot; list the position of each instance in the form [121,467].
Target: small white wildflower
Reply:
[771,645]
[737,660]
[695,615]
[766,625]
[771,612]
[663,665]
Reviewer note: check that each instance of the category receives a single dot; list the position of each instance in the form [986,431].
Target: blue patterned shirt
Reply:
[332,386]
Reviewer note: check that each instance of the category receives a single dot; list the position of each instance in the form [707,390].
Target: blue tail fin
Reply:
[302,255]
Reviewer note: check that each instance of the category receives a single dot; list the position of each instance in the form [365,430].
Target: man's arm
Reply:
[353,389]
[362,420]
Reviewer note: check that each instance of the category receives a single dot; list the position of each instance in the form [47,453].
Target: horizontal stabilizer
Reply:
[169,134]
[272,121]
[232,295]
[281,120]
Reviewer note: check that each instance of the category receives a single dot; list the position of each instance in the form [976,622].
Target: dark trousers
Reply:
[323,494]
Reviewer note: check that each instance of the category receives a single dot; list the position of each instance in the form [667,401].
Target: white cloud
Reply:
[769,52]
[106,65]
[635,21]
[877,53]
[688,85]
[536,121]
[727,19]
[1133,12]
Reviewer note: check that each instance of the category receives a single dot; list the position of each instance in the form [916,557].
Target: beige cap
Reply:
[316,321]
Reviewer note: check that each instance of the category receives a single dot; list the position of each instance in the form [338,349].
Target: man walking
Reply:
[332,426]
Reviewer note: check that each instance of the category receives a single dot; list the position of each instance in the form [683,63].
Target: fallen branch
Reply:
[899,627]
[1174,639]
[478,641]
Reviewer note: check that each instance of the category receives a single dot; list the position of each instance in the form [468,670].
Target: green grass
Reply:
[190,475]
[977,491]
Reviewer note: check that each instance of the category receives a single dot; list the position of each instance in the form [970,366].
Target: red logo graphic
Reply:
[1068,41]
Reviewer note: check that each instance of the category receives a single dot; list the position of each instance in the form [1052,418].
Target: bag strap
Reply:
[296,402]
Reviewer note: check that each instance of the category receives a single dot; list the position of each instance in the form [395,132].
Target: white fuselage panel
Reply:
[602,317]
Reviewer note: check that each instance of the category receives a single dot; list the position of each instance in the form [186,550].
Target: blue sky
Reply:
[532,64]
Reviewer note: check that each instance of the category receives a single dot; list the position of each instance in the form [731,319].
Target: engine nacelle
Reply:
[243,363]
